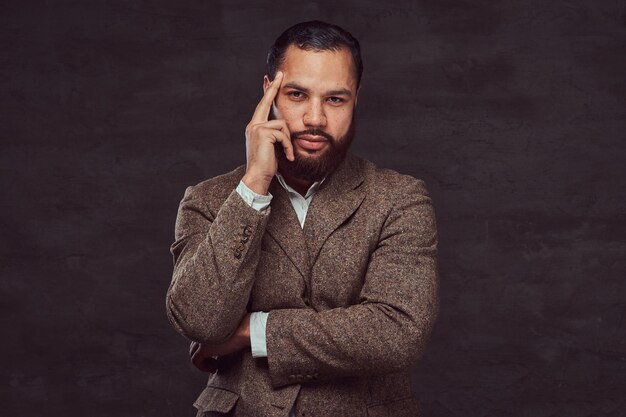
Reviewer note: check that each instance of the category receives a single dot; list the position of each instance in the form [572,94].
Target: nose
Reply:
[314,115]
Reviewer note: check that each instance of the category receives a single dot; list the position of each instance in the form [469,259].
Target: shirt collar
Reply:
[312,189]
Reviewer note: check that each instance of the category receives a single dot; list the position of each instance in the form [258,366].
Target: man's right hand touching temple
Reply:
[261,135]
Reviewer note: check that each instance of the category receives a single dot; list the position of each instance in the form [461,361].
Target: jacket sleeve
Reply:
[215,258]
[389,328]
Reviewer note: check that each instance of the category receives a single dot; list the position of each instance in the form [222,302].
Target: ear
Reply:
[266,82]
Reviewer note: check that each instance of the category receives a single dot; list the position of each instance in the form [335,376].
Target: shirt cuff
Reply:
[256,201]
[258,345]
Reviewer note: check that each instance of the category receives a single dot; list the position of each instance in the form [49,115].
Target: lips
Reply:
[311,143]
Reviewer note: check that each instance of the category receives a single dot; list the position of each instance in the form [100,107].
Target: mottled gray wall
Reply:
[513,112]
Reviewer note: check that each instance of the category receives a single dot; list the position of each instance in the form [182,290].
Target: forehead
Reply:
[323,70]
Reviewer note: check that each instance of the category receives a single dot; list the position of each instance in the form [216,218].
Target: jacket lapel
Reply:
[337,198]
[284,227]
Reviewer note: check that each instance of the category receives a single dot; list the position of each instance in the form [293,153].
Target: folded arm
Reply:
[387,331]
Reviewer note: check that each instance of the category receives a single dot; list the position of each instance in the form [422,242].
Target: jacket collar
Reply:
[335,201]
[337,197]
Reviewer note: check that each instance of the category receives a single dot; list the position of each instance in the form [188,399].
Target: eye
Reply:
[296,95]
[335,100]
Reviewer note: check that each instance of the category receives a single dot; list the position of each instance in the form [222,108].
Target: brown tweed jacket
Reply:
[352,297]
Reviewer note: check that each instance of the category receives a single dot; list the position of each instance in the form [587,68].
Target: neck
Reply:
[298,184]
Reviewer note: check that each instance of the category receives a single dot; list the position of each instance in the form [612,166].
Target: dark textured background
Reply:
[513,112]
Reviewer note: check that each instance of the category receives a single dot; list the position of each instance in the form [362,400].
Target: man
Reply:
[307,278]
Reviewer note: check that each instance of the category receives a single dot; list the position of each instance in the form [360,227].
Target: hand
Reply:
[261,135]
[204,357]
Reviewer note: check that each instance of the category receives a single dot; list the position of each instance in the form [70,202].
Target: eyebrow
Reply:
[339,92]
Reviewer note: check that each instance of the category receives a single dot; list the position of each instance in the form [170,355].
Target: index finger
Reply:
[262,110]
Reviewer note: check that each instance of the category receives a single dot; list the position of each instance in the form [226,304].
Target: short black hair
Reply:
[314,36]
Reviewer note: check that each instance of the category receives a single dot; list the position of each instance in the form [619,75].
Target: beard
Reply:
[315,167]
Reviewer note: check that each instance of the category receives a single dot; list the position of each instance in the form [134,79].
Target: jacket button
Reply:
[247,230]
[244,239]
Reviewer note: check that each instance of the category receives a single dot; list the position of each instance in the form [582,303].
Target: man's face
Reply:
[316,99]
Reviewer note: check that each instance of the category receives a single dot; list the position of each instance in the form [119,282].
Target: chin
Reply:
[313,165]
[304,153]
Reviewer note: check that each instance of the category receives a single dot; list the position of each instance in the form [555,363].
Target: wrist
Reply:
[258,183]
[243,332]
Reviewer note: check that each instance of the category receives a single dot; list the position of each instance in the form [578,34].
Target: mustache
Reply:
[313,132]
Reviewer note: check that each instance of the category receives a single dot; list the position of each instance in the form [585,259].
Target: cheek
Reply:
[341,120]
[288,113]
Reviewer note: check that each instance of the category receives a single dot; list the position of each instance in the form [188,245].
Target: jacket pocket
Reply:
[215,402]
[404,407]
